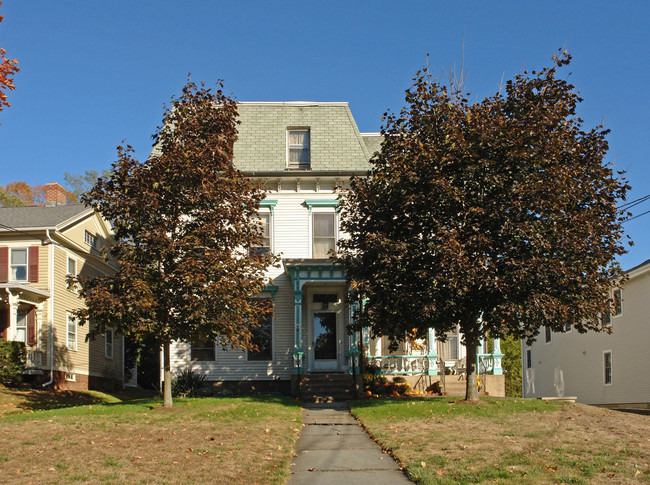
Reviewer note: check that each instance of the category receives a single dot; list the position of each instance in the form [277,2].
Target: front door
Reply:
[325,342]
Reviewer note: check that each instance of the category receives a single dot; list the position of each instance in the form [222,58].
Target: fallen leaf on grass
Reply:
[423,464]
[442,473]
[552,468]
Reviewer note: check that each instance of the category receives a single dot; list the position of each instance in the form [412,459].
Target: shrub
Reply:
[187,384]
[12,362]
[399,380]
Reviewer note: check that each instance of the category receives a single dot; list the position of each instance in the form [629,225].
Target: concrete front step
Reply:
[324,388]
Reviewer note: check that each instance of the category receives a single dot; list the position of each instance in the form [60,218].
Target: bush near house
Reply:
[12,362]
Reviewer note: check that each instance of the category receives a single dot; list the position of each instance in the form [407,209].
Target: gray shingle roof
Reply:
[335,142]
[373,142]
[39,216]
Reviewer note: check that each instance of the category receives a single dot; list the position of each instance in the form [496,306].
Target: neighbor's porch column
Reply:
[12,301]
[432,355]
[497,370]
[298,354]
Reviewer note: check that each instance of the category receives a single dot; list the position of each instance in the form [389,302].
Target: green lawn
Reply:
[232,440]
[443,441]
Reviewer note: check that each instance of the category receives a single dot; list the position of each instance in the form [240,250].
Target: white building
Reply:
[304,152]
[596,367]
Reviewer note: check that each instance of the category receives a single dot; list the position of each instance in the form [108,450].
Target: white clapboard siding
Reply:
[576,361]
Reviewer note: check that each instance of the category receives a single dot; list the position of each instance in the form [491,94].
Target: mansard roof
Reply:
[335,142]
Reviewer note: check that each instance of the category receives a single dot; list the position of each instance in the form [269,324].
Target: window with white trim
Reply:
[298,148]
[264,221]
[203,350]
[90,239]
[324,234]
[262,339]
[72,332]
[108,343]
[21,326]
[607,367]
[18,264]
[618,302]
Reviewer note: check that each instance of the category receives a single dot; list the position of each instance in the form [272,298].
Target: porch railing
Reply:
[402,364]
[420,364]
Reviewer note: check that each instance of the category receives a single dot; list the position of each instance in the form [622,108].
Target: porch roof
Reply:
[25,291]
[302,270]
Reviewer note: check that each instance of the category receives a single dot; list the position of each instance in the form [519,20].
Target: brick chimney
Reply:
[54,194]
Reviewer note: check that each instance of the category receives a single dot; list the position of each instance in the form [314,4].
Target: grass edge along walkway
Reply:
[444,441]
[247,439]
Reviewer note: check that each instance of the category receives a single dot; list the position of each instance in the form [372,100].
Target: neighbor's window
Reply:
[72,332]
[108,343]
[606,319]
[72,267]
[263,339]
[547,334]
[607,366]
[298,149]
[203,350]
[618,301]
[529,359]
[324,234]
[21,326]
[567,327]
[90,239]
[19,264]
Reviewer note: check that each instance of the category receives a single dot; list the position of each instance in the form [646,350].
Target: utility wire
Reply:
[637,216]
[634,202]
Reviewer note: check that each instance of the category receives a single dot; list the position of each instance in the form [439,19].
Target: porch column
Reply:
[12,300]
[298,361]
[497,370]
[432,355]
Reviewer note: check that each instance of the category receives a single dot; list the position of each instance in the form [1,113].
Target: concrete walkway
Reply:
[334,449]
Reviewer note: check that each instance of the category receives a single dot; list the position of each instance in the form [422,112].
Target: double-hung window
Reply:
[547,334]
[298,148]
[618,302]
[21,326]
[607,367]
[18,266]
[108,343]
[262,339]
[264,221]
[203,350]
[72,332]
[324,225]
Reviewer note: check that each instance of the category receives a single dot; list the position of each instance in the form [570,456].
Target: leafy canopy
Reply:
[499,215]
[185,232]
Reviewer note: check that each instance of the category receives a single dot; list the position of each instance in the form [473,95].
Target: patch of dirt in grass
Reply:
[204,440]
[570,443]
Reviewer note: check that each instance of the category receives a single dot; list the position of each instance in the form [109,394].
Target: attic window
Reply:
[298,144]
[90,239]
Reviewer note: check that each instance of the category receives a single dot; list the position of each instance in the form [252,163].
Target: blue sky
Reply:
[94,73]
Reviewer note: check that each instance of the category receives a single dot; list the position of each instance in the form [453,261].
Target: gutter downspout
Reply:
[50,312]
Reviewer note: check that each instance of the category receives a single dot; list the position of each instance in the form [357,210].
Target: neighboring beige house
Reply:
[304,152]
[596,367]
[39,247]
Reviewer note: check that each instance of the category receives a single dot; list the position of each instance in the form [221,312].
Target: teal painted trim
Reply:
[271,289]
[270,203]
[322,203]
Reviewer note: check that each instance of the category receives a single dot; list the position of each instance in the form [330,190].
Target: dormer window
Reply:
[298,143]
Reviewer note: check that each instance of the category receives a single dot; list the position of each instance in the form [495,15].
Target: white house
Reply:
[598,368]
[304,152]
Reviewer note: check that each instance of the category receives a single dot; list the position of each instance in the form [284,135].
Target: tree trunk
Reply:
[167,376]
[471,391]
